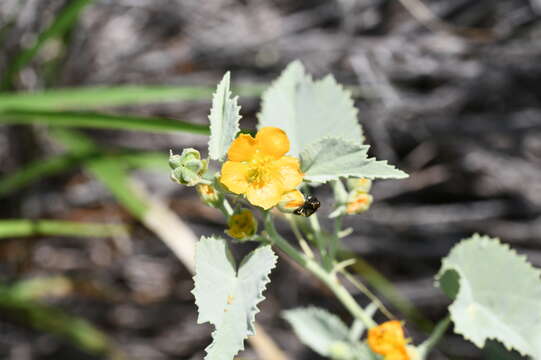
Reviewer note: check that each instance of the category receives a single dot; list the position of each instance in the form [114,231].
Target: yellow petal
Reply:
[265,196]
[289,171]
[272,141]
[397,354]
[242,148]
[292,200]
[235,176]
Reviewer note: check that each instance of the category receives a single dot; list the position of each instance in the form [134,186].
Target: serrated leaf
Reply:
[332,158]
[224,119]
[498,297]
[317,328]
[309,110]
[228,298]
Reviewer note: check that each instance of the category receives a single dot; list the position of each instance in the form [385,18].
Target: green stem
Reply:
[334,240]
[322,274]
[321,241]
[435,337]
[226,208]
[386,289]
[314,223]
[298,235]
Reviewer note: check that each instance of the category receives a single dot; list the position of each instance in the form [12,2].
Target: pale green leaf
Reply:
[498,294]
[228,298]
[317,328]
[332,158]
[327,335]
[308,110]
[363,352]
[224,119]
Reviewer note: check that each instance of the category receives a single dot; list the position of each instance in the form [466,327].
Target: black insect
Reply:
[310,206]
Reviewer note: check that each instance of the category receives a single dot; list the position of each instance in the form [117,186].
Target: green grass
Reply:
[99,121]
[24,228]
[109,171]
[387,290]
[93,97]
[21,308]
[60,25]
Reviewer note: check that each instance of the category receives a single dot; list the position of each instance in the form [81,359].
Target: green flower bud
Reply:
[242,225]
[187,168]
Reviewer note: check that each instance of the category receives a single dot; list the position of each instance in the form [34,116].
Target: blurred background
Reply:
[447,90]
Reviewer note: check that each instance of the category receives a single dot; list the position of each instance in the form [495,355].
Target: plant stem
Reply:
[322,274]
[334,240]
[369,294]
[296,231]
[435,337]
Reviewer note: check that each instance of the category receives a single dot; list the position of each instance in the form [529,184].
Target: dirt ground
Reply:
[450,92]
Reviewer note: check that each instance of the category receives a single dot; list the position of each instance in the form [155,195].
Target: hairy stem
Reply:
[322,274]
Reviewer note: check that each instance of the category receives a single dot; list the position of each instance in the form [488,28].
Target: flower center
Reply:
[260,170]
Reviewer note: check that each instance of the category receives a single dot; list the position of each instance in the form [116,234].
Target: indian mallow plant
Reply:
[308,136]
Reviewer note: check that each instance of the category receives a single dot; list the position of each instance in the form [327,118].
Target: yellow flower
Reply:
[291,201]
[242,225]
[358,202]
[258,169]
[388,339]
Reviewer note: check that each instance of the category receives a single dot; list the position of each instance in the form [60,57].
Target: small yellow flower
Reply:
[388,339]
[358,202]
[242,225]
[258,168]
[291,201]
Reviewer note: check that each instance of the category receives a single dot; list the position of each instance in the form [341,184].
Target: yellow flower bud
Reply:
[291,201]
[358,203]
[359,185]
[242,225]
[209,194]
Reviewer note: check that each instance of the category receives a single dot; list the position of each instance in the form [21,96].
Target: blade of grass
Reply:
[62,23]
[43,168]
[24,228]
[37,170]
[85,98]
[112,173]
[383,286]
[37,288]
[93,97]
[78,331]
[103,121]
